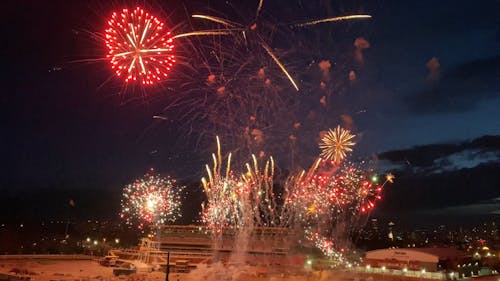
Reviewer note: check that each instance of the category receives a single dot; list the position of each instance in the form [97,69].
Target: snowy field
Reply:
[86,270]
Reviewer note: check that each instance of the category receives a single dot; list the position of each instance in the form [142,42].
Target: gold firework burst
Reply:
[336,144]
[390,177]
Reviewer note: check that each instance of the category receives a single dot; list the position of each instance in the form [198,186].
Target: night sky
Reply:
[63,128]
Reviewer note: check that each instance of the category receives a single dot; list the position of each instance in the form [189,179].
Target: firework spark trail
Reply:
[262,42]
[205,33]
[151,201]
[333,19]
[281,66]
[264,45]
[139,46]
[217,20]
[326,246]
[259,8]
[221,210]
[265,208]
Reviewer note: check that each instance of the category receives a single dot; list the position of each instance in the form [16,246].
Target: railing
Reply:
[45,257]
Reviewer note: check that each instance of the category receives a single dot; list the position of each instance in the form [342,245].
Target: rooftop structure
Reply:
[426,263]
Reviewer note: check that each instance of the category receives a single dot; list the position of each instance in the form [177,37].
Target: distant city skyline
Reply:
[62,130]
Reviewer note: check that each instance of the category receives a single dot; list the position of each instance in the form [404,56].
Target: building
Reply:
[196,244]
[435,263]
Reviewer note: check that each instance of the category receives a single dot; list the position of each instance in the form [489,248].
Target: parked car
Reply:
[108,261]
[125,269]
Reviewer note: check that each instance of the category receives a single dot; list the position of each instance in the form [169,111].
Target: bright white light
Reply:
[151,205]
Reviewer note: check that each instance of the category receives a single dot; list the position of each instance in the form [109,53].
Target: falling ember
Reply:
[323,100]
[221,90]
[261,73]
[336,143]
[347,121]
[352,75]
[360,44]
[140,47]
[325,66]
[211,79]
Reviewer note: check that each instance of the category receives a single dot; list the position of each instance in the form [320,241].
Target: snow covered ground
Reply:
[86,270]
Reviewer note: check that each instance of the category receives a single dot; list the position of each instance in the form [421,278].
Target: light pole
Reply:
[168,266]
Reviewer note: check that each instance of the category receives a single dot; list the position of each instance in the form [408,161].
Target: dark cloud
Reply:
[427,155]
[413,191]
[443,176]
[460,88]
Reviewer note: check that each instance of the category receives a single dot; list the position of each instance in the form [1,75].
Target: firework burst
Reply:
[329,200]
[336,144]
[243,202]
[140,47]
[234,79]
[222,209]
[348,190]
[151,201]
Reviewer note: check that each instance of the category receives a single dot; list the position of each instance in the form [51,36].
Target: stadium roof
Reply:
[415,254]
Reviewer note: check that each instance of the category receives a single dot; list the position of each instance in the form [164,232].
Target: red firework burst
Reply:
[140,47]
